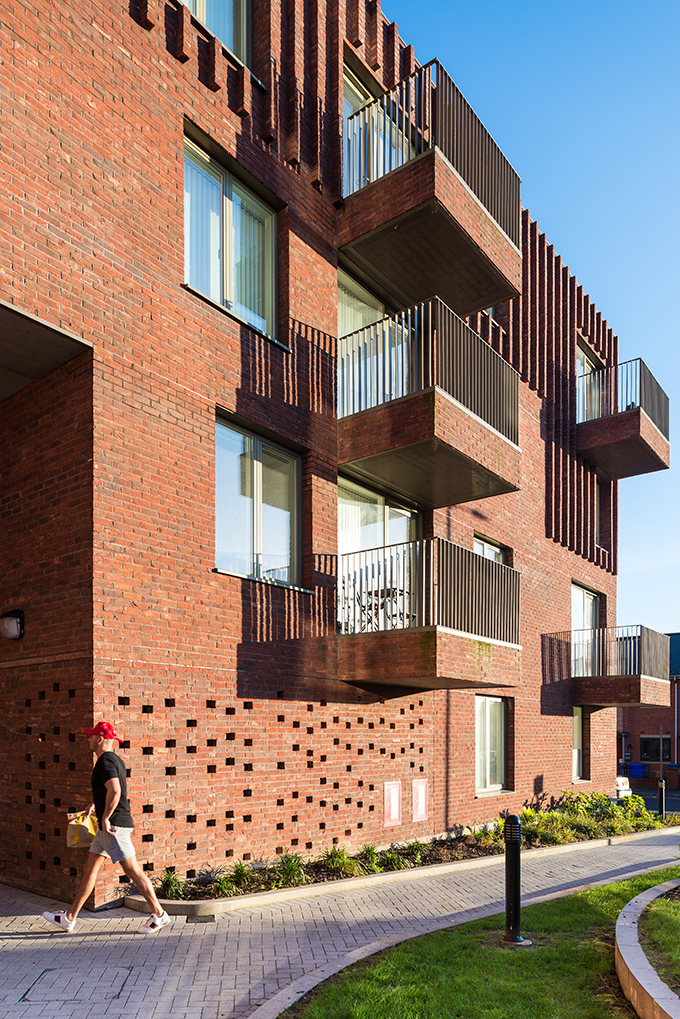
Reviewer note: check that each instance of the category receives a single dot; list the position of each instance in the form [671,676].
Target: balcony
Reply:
[428,409]
[611,667]
[427,615]
[622,421]
[31,348]
[431,203]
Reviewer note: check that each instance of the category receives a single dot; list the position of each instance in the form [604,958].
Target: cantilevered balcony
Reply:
[615,666]
[427,409]
[622,420]
[431,203]
[427,615]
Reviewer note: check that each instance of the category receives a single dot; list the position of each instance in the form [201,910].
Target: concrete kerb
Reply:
[646,991]
[204,907]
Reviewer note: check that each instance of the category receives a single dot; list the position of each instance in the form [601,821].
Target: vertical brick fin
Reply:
[376,37]
[392,58]
[294,74]
[614,555]
[182,33]
[558,400]
[541,347]
[214,64]
[408,61]
[315,90]
[571,360]
[269,111]
[358,28]
[147,14]
[549,393]
[293,140]
[244,96]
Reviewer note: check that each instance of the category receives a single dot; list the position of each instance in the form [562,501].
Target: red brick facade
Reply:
[246,735]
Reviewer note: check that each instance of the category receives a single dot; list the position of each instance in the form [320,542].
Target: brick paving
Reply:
[253,962]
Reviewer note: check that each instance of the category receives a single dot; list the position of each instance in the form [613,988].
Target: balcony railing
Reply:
[609,651]
[623,387]
[423,111]
[424,346]
[428,583]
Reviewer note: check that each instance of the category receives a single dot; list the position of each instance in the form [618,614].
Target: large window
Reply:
[256,500]
[585,619]
[490,743]
[357,308]
[577,744]
[228,241]
[649,748]
[230,21]
[368,520]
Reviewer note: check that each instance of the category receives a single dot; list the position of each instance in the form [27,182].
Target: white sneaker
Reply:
[59,920]
[154,923]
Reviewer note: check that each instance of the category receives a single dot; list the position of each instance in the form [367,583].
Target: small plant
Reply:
[241,875]
[369,859]
[337,858]
[169,886]
[209,875]
[225,888]
[415,851]
[290,871]
[391,860]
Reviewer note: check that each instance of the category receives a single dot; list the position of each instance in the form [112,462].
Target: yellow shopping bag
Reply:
[82,828]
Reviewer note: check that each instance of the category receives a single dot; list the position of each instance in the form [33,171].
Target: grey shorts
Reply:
[117,846]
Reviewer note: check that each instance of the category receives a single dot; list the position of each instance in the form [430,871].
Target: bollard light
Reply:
[512,834]
[662,799]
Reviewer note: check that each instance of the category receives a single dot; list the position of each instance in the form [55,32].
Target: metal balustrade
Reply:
[608,651]
[427,345]
[429,582]
[422,111]
[620,388]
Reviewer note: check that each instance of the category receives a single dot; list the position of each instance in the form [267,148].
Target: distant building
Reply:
[639,731]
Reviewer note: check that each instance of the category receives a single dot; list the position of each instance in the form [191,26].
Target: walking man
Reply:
[113,840]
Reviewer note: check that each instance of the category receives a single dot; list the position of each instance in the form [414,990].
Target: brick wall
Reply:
[242,738]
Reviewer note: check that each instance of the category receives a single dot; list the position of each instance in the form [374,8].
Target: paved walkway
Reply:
[255,961]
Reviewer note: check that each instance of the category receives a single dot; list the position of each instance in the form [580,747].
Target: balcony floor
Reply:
[622,691]
[426,658]
[623,445]
[429,449]
[419,231]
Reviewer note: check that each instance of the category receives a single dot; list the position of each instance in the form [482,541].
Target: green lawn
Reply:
[660,937]
[464,972]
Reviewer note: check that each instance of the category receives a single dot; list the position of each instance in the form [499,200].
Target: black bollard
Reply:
[512,833]
[662,799]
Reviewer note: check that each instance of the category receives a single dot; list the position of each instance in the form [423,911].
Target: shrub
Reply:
[337,858]
[241,875]
[415,851]
[169,886]
[391,860]
[225,887]
[290,871]
[369,859]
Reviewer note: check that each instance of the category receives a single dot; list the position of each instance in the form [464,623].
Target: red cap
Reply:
[104,729]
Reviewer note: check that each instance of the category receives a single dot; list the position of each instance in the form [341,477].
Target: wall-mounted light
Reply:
[12,624]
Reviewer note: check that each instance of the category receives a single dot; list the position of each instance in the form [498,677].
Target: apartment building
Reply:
[648,736]
[310,446]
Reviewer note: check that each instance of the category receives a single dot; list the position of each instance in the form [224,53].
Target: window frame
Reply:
[259,443]
[491,787]
[245,56]
[489,545]
[577,743]
[386,503]
[653,754]
[229,182]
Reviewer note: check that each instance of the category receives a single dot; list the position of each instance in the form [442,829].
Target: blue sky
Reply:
[584,99]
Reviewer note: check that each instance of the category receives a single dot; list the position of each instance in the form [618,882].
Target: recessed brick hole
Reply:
[211,704]
[169,702]
[147,709]
[123,701]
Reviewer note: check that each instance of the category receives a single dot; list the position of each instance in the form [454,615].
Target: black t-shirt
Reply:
[109,765]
